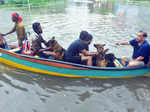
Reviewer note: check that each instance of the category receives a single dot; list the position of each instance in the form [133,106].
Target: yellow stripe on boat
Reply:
[20,66]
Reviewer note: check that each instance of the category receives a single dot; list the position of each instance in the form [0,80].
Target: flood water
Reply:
[108,22]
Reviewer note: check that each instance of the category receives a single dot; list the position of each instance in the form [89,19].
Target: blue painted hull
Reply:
[65,69]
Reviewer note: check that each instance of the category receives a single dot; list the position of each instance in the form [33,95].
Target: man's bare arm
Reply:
[140,58]
[123,43]
[13,30]
[87,53]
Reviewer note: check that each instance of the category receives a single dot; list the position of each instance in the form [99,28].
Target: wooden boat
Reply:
[65,69]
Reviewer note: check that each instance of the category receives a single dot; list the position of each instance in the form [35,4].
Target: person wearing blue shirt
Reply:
[141,49]
[4,45]
[78,51]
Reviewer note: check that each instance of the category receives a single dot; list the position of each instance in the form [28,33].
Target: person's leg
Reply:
[42,55]
[74,59]
[88,59]
[94,60]
[148,64]
[125,60]
[89,62]
[134,63]
[49,53]
[12,46]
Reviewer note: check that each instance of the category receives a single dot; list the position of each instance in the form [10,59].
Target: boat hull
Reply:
[59,68]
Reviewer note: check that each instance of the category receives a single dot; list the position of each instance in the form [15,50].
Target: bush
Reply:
[26,1]
[2,2]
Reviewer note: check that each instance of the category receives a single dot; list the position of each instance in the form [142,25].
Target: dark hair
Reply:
[17,14]
[90,37]
[140,31]
[83,35]
[144,34]
[35,27]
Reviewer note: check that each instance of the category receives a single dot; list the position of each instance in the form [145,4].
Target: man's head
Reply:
[83,35]
[89,39]
[16,18]
[86,37]
[37,28]
[2,41]
[141,36]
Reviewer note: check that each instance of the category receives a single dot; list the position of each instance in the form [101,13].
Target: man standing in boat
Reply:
[19,28]
[78,52]
[141,50]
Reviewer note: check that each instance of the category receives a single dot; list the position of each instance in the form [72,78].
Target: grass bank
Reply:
[21,4]
[30,1]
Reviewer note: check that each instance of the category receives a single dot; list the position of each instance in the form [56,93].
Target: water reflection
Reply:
[34,92]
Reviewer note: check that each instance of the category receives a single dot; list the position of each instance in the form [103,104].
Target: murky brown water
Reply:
[109,22]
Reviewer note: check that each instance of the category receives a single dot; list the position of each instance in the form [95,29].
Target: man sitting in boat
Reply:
[19,28]
[4,45]
[141,50]
[80,46]
[37,42]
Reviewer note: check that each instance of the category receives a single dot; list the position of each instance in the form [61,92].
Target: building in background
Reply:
[3,2]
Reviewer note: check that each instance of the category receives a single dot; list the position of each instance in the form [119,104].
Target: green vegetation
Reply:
[140,2]
[33,3]
[26,1]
